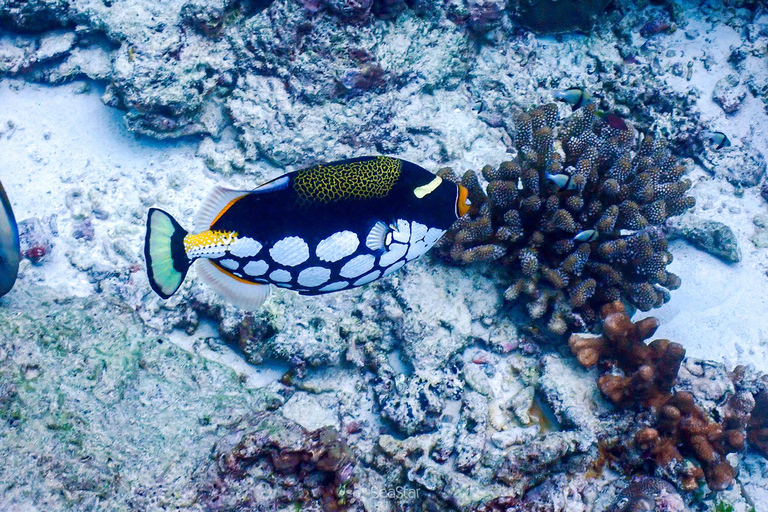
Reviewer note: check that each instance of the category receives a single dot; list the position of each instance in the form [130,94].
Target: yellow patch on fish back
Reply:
[353,180]
[194,243]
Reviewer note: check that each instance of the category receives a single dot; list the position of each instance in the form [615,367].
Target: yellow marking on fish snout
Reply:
[423,190]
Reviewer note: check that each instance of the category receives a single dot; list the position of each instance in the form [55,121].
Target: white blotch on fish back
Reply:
[290,251]
[394,268]
[280,276]
[357,266]
[230,264]
[367,278]
[338,285]
[416,250]
[244,247]
[418,231]
[403,231]
[313,276]
[256,268]
[395,252]
[433,235]
[338,245]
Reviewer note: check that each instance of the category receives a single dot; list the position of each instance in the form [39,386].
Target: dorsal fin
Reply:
[213,205]
[241,293]
[278,183]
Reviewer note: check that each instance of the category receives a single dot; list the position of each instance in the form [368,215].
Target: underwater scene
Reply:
[384,255]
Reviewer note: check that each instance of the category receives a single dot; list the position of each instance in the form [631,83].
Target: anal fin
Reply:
[241,293]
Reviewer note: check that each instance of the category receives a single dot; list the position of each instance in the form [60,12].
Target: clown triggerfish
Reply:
[326,228]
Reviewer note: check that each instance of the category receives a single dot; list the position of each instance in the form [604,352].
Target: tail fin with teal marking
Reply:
[167,261]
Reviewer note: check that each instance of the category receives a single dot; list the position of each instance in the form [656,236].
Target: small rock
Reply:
[305,410]
[742,165]
[729,93]
[514,436]
[710,236]
[53,45]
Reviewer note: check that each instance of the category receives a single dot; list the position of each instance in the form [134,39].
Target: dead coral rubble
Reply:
[575,217]
[634,372]
[268,454]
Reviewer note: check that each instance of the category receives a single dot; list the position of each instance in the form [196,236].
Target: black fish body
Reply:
[326,228]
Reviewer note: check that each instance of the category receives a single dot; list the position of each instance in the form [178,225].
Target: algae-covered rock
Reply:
[98,411]
[710,236]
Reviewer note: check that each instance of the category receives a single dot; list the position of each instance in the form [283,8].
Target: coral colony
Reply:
[633,372]
[575,217]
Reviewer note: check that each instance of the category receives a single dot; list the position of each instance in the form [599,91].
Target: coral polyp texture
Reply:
[575,217]
[633,372]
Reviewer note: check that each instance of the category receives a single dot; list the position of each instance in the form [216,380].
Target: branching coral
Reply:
[635,372]
[575,217]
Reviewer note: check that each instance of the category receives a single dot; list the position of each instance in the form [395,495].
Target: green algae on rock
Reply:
[96,412]
[575,217]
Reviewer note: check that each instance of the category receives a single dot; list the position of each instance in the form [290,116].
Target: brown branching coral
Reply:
[634,372]
[575,217]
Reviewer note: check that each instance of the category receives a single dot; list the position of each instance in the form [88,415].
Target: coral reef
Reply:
[635,373]
[575,218]
[444,405]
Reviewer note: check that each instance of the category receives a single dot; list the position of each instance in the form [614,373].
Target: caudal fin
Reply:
[167,262]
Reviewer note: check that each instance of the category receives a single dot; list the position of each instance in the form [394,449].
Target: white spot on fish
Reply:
[394,268]
[402,231]
[416,250]
[244,247]
[418,231]
[337,246]
[280,276]
[313,276]
[256,268]
[433,235]
[290,251]
[230,264]
[367,278]
[357,266]
[338,285]
[395,252]
[211,253]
